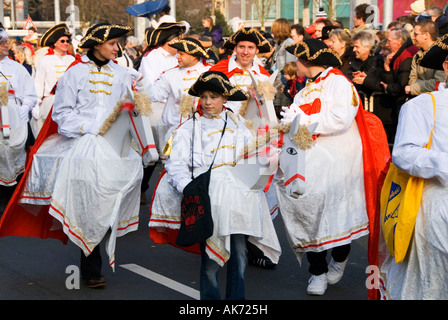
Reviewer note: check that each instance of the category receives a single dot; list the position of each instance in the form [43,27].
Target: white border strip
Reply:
[167,282]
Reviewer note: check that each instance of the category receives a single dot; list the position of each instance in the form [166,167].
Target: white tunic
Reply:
[172,87]
[48,71]
[89,187]
[155,62]
[12,150]
[423,273]
[152,66]
[332,211]
[235,208]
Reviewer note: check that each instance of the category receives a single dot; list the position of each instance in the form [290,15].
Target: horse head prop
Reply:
[281,147]
[130,121]
[261,101]
[295,143]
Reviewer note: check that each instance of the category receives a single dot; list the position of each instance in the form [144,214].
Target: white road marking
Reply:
[167,282]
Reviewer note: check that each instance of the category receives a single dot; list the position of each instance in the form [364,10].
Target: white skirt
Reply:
[332,211]
[235,210]
[424,272]
[90,189]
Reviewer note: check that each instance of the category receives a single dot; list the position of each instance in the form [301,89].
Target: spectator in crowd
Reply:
[326,33]
[397,68]
[24,56]
[298,33]
[214,32]
[294,83]
[362,18]
[339,40]
[281,31]
[363,70]
[319,24]
[423,79]
[440,18]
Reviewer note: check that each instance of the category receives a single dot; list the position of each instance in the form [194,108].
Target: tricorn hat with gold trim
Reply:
[190,46]
[102,32]
[248,34]
[436,55]
[164,32]
[216,81]
[315,51]
[53,34]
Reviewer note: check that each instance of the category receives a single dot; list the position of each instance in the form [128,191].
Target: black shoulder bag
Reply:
[196,217]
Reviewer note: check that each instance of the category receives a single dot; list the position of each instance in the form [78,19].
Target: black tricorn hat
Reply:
[248,34]
[164,31]
[190,46]
[218,82]
[436,54]
[315,51]
[53,34]
[100,33]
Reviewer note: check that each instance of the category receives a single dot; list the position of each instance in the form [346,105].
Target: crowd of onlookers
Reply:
[382,64]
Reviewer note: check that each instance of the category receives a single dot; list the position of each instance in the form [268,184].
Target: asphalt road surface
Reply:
[37,269]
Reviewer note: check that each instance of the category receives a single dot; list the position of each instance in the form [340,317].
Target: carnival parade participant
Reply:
[334,210]
[158,57]
[236,210]
[173,84]
[48,71]
[13,136]
[246,43]
[423,272]
[75,177]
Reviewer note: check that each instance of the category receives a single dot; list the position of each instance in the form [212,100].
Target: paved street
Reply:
[32,268]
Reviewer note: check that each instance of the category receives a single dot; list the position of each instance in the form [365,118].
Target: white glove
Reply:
[287,114]
[35,112]
[24,112]
[90,127]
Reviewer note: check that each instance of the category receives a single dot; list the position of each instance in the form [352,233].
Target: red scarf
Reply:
[223,66]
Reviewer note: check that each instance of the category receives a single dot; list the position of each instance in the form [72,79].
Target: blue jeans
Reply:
[236,266]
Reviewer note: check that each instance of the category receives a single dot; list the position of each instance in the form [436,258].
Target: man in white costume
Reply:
[21,97]
[76,181]
[333,211]
[173,84]
[48,71]
[423,274]
[246,43]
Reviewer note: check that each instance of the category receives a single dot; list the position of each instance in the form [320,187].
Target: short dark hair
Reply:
[430,27]
[300,30]
[361,11]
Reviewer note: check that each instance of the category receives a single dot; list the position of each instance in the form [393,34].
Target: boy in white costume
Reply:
[173,84]
[237,212]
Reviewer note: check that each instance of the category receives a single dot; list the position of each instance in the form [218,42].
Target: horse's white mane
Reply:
[141,103]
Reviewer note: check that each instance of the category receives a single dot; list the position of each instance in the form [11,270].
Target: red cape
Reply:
[376,154]
[16,220]
[223,66]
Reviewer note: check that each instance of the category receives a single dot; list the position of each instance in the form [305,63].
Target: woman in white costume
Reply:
[237,211]
[332,212]
[424,272]
[75,173]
